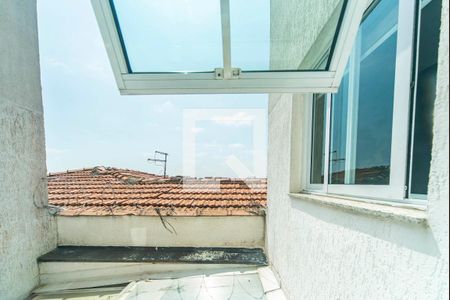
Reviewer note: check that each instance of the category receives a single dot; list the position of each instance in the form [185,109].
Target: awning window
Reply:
[228,46]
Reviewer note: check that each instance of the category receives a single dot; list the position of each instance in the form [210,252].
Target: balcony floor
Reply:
[257,283]
[233,286]
[160,273]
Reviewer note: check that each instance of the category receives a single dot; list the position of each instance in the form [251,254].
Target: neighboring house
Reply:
[104,191]
[133,208]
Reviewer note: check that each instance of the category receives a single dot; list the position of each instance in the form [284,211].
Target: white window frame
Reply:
[317,187]
[396,190]
[228,80]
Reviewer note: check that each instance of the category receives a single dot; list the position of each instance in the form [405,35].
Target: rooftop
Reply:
[104,191]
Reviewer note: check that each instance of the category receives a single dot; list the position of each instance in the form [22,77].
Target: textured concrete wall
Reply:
[26,231]
[321,252]
[233,231]
[290,43]
[439,180]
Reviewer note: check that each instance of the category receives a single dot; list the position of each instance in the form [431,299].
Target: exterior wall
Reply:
[323,252]
[233,231]
[290,48]
[26,230]
[439,179]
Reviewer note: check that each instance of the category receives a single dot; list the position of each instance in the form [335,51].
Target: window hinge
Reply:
[220,73]
[412,85]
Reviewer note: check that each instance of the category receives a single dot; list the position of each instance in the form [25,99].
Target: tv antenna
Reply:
[158,160]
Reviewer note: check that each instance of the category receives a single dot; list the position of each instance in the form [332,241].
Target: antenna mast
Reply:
[155,160]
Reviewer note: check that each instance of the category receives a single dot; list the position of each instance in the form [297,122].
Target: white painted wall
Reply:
[290,43]
[321,252]
[26,231]
[231,231]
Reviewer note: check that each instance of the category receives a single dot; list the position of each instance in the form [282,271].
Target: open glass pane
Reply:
[362,114]
[266,35]
[339,133]
[318,139]
[250,34]
[425,96]
[170,35]
[228,46]
[269,35]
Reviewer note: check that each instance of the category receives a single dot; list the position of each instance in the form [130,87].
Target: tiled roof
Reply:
[109,191]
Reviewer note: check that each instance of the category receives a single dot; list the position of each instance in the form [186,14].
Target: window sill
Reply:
[394,211]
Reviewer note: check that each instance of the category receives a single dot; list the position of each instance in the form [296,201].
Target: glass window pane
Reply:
[250,34]
[363,108]
[375,111]
[270,34]
[425,96]
[171,35]
[318,139]
[266,35]
[339,133]
[381,20]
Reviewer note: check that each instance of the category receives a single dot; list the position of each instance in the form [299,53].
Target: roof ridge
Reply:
[70,171]
[121,171]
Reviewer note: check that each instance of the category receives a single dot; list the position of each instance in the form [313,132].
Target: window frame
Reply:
[228,80]
[316,187]
[396,191]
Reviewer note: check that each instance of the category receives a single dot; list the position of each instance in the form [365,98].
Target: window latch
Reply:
[220,73]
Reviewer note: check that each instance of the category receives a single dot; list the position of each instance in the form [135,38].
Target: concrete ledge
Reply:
[156,255]
[399,212]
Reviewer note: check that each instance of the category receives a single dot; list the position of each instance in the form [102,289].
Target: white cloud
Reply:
[55,63]
[237,119]
[197,130]
[213,144]
[148,154]
[236,146]
[165,107]
[96,70]
[202,154]
[55,151]
[55,155]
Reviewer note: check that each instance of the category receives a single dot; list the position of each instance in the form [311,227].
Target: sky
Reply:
[88,123]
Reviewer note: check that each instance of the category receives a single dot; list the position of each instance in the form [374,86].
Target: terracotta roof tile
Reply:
[104,191]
